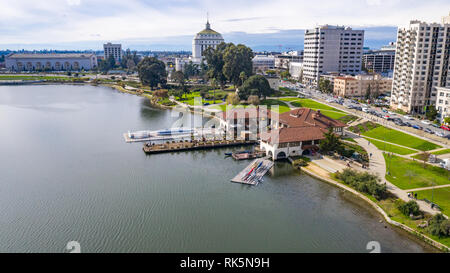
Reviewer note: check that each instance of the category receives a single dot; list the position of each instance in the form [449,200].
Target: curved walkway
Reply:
[377,166]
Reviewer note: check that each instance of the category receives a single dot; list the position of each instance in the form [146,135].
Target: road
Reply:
[436,135]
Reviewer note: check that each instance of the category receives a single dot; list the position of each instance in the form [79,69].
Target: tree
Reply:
[255,85]
[242,77]
[214,58]
[431,112]
[424,157]
[237,59]
[439,226]
[152,71]
[191,69]
[161,94]
[447,120]
[368,92]
[331,142]
[233,99]
[325,86]
[253,100]
[285,75]
[409,208]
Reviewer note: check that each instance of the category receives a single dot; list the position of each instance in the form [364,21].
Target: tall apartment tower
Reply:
[421,65]
[114,50]
[331,49]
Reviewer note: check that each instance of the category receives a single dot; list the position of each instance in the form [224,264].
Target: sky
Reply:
[171,24]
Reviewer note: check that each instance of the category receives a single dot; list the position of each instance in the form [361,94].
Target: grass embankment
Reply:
[442,152]
[379,132]
[391,147]
[409,174]
[440,196]
[324,109]
[390,207]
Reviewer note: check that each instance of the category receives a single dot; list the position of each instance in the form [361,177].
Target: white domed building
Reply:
[205,39]
[202,41]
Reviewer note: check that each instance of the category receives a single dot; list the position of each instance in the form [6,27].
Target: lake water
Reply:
[67,174]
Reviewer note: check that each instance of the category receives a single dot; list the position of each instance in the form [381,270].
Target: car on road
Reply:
[440,134]
[408,117]
[365,110]
[428,131]
[445,127]
[415,126]
[408,124]
[425,122]
[435,125]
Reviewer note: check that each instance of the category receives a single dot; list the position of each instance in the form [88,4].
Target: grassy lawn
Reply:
[442,152]
[308,103]
[439,196]
[391,148]
[409,174]
[389,206]
[333,114]
[282,106]
[400,138]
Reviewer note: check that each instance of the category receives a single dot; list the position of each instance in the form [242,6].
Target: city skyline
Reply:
[151,25]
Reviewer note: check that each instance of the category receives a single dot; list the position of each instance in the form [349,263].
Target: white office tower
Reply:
[331,49]
[114,50]
[204,39]
[421,65]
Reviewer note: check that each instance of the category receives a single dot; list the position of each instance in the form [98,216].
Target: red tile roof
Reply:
[284,135]
[305,117]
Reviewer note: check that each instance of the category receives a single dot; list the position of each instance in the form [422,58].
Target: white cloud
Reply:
[73,2]
[56,21]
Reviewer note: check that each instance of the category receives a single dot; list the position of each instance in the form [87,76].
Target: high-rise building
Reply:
[204,39]
[421,65]
[114,50]
[380,61]
[331,49]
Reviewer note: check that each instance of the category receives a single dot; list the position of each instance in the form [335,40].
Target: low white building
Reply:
[296,70]
[443,102]
[262,63]
[284,142]
[51,61]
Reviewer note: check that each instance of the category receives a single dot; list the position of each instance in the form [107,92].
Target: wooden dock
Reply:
[253,178]
[249,155]
[176,146]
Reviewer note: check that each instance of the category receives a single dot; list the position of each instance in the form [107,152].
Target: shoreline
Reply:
[423,238]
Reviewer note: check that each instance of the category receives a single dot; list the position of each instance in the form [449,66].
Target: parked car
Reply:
[440,134]
[366,110]
[425,122]
[428,131]
[408,117]
[408,124]
[435,125]
[445,127]
[417,127]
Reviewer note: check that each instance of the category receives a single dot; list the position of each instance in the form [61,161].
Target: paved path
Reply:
[428,188]
[377,166]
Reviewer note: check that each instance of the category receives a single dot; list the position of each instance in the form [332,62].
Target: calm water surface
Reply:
[67,174]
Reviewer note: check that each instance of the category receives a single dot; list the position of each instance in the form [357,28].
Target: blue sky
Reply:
[170,24]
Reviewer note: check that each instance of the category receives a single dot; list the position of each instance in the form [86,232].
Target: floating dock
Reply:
[248,155]
[176,146]
[254,172]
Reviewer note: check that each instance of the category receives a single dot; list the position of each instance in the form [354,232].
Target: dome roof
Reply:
[208,31]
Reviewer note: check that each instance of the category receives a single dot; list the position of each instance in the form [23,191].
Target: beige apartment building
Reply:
[357,87]
[421,65]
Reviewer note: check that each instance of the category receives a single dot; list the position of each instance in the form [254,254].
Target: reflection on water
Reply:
[69,175]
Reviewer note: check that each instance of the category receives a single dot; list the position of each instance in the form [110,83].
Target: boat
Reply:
[228,154]
[174,131]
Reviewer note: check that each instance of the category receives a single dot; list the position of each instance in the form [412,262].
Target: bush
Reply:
[363,182]
[439,226]
[299,163]
[410,208]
